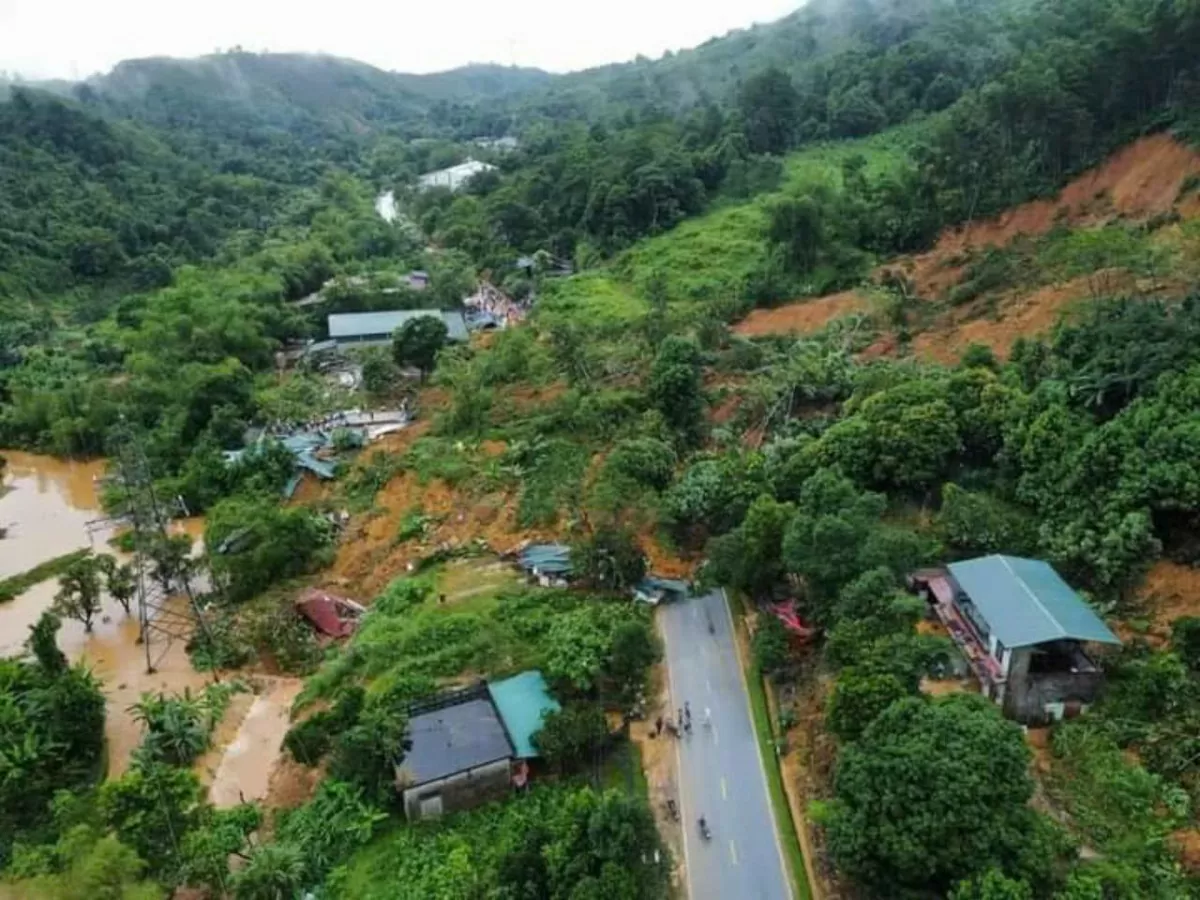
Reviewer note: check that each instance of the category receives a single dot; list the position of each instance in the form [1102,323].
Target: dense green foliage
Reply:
[51,734]
[969,767]
[157,227]
[555,842]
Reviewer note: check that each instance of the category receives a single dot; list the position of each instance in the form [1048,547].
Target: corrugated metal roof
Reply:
[548,559]
[454,739]
[522,701]
[348,326]
[1026,602]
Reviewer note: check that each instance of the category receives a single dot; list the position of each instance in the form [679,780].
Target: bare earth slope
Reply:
[1143,181]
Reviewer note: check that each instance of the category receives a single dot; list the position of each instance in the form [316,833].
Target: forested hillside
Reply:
[308,96]
[873,288]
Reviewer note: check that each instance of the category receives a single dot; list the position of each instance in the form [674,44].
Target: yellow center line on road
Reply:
[724,790]
[733,851]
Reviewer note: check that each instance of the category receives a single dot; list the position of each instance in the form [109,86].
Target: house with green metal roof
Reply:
[523,702]
[1026,635]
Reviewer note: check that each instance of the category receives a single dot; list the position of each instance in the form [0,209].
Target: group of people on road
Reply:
[682,723]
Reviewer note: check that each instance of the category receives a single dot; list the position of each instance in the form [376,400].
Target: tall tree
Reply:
[675,388]
[769,105]
[119,580]
[417,343]
[79,592]
[932,793]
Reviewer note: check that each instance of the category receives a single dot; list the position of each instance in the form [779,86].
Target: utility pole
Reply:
[167,601]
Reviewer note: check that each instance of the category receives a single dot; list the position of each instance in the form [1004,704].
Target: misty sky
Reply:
[76,38]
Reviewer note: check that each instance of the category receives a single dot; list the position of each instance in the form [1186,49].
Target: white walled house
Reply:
[455,176]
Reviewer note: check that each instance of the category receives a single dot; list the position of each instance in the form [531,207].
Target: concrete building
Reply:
[455,176]
[470,746]
[1023,632]
[372,328]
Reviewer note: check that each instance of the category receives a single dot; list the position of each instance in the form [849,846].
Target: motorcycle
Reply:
[704,832]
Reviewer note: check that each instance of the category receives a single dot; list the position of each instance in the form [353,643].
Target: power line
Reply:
[167,600]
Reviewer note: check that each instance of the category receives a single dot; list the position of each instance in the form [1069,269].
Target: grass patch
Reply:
[710,257]
[596,298]
[767,744]
[463,581]
[11,588]
[705,258]
[622,770]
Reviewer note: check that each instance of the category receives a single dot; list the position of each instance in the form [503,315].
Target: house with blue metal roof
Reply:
[1024,632]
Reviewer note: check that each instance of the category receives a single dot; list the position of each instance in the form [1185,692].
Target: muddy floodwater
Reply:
[46,505]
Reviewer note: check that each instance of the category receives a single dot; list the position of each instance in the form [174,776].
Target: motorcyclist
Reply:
[704,828]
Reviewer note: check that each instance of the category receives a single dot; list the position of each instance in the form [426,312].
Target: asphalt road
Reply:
[720,771]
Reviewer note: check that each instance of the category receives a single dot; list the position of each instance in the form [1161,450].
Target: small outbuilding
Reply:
[655,590]
[548,564]
[330,614]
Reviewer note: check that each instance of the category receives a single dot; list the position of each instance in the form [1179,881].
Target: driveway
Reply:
[720,771]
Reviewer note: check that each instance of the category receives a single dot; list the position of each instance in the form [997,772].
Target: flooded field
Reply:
[46,505]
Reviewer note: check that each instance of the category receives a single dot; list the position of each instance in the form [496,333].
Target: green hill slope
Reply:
[715,257]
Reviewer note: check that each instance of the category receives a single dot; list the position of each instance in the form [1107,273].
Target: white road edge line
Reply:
[724,789]
[762,770]
[733,851]
[683,816]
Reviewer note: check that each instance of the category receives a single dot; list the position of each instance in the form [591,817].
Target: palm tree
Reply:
[177,728]
[274,872]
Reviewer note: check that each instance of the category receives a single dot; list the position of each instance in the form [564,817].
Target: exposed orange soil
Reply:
[803,317]
[664,562]
[525,397]
[309,491]
[1186,844]
[725,410]
[369,556]
[1138,182]
[291,784]
[1169,591]
[1017,315]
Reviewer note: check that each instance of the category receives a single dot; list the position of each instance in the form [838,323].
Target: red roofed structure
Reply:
[330,614]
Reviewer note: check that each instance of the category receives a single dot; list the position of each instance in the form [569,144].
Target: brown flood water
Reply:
[46,504]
